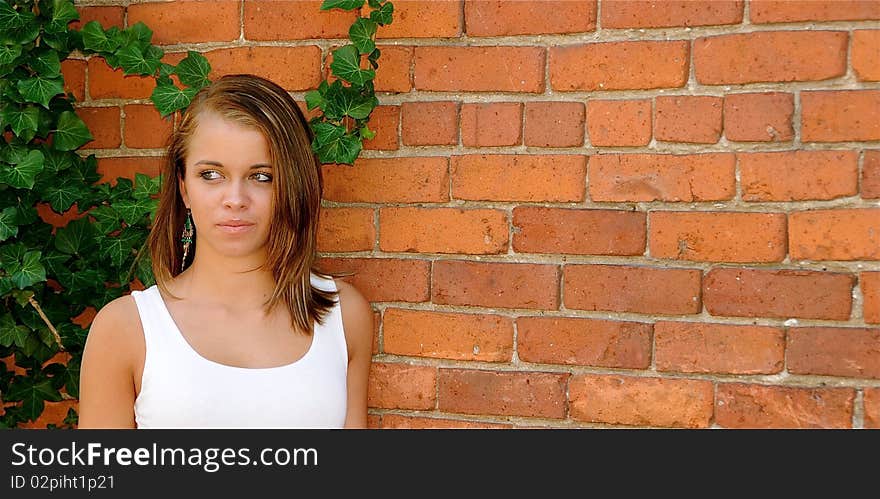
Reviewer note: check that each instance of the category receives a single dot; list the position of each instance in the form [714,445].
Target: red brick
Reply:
[346,229]
[429,123]
[755,406]
[585,232]
[106,15]
[840,116]
[662,177]
[758,117]
[870,283]
[503,393]
[377,320]
[619,65]
[770,56]
[491,124]
[621,288]
[503,285]
[834,351]
[393,180]
[872,408]
[554,124]
[512,177]
[798,175]
[504,18]
[584,342]
[111,168]
[688,118]
[384,279]
[693,347]
[785,11]
[841,234]
[778,293]
[628,400]
[477,337]
[871,175]
[619,122]
[384,122]
[106,83]
[265,61]
[718,236]
[145,128]
[374,421]
[189,21]
[423,19]
[103,122]
[74,73]
[393,73]
[865,56]
[399,422]
[275,20]
[443,230]
[668,13]
[401,386]
[479,69]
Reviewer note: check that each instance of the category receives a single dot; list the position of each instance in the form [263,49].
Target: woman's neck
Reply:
[234,283]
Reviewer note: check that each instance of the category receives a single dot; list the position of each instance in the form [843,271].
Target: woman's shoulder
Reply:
[357,317]
[117,325]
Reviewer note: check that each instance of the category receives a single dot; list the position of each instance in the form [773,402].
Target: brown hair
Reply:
[260,104]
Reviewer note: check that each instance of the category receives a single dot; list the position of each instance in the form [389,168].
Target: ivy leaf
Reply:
[63,12]
[77,237]
[9,52]
[138,35]
[40,89]
[118,249]
[168,98]
[145,186]
[22,297]
[79,279]
[345,65]
[193,70]
[374,3]
[106,219]
[314,99]
[29,271]
[20,26]
[58,161]
[7,225]
[10,253]
[132,210]
[54,261]
[23,173]
[343,149]
[32,392]
[166,70]
[144,270]
[62,196]
[384,15]
[95,39]
[361,33]
[66,376]
[46,63]
[326,133]
[135,61]
[366,133]
[342,4]
[72,132]
[350,102]
[11,333]
[23,121]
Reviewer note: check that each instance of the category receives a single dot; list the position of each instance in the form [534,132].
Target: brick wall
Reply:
[582,213]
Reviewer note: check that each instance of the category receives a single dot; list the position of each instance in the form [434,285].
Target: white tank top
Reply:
[182,389]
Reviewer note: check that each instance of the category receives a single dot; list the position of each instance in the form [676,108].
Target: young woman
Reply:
[241,329]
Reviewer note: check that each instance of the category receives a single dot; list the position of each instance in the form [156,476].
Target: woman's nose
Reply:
[235,196]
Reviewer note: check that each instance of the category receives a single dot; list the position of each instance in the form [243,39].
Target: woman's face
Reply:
[228,187]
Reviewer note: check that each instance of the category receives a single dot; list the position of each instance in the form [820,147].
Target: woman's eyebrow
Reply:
[217,163]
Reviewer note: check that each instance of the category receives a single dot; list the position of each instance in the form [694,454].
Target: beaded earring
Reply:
[186,237]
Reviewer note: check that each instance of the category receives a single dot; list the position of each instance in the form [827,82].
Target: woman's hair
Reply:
[260,104]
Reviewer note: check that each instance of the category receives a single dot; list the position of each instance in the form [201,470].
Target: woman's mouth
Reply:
[235,226]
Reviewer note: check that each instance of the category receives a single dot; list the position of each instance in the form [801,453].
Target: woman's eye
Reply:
[209,175]
[262,177]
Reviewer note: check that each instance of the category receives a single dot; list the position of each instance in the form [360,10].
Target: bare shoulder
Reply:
[116,328]
[357,317]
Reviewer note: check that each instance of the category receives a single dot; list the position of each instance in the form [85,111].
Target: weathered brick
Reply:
[841,234]
[786,11]
[393,180]
[586,232]
[504,18]
[694,347]
[865,56]
[584,342]
[872,408]
[106,15]
[479,69]
[621,288]
[718,236]
[759,117]
[770,56]
[429,123]
[834,351]
[104,124]
[491,124]
[346,229]
[396,421]
[667,13]
[106,83]
[74,73]
[189,21]
[871,175]
[384,121]
[663,177]
[401,386]
[443,230]
[619,65]
[503,393]
[265,61]
[870,283]
[798,175]
[554,124]
[740,405]
[111,168]
[688,118]
[145,128]
[384,279]
[512,177]
[395,64]
[504,285]
[477,337]
[840,116]
[629,400]
[778,293]
[619,122]
[276,20]
[423,19]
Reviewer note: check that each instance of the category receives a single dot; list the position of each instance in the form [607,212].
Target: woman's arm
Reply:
[357,320]
[106,385]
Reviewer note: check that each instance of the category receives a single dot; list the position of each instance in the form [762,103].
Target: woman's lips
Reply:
[235,227]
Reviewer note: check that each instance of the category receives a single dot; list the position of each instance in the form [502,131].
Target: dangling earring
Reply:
[186,237]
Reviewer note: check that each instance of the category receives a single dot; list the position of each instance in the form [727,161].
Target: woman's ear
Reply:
[182,187]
